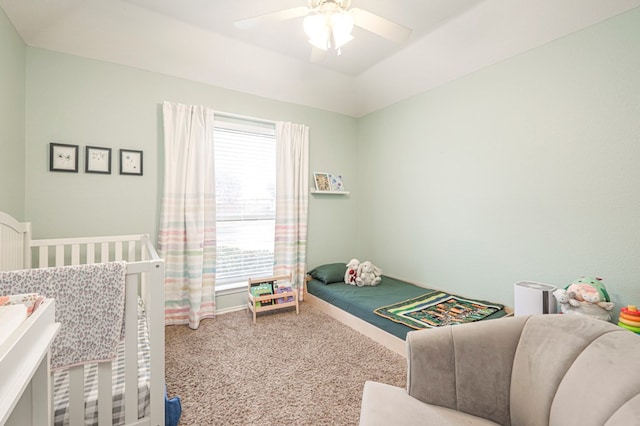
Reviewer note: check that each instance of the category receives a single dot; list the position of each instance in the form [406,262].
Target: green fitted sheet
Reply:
[361,301]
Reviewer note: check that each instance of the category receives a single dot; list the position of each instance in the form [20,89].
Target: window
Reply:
[245,162]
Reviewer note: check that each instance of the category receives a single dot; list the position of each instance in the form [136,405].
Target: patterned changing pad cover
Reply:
[61,382]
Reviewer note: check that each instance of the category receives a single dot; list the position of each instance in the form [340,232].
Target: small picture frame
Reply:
[97,160]
[336,182]
[63,157]
[130,162]
[322,181]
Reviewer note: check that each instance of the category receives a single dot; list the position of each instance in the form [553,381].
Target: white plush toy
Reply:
[585,308]
[562,296]
[368,274]
[569,304]
[352,272]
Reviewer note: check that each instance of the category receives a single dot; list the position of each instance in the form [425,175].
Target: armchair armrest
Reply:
[465,367]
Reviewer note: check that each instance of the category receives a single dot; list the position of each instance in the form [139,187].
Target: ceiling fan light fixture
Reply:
[341,27]
[331,25]
[316,28]
[314,25]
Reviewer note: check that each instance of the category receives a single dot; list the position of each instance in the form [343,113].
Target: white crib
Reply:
[144,279]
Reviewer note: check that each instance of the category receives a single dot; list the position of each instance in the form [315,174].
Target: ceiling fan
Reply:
[328,23]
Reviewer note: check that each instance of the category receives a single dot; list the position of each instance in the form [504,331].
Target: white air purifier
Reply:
[533,298]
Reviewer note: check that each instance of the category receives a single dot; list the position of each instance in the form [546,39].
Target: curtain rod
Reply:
[243,117]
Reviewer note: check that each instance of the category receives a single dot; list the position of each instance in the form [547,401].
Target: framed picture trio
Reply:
[97,159]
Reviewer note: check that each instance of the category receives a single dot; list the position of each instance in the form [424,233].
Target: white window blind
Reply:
[245,162]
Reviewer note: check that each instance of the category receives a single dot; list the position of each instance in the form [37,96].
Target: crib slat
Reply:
[104,253]
[59,255]
[43,254]
[105,413]
[132,251]
[75,254]
[76,395]
[131,348]
[91,253]
[118,252]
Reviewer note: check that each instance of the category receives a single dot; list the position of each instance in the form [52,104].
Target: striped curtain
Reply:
[186,239]
[292,200]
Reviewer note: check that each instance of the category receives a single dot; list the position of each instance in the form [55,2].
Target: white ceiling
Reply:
[196,39]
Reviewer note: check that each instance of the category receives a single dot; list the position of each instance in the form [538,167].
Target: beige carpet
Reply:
[287,369]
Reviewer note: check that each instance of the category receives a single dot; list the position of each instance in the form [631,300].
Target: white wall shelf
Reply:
[314,191]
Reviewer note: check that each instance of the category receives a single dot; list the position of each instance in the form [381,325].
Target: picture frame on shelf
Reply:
[336,182]
[322,181]
[63,157]
[131,162]
[97,160]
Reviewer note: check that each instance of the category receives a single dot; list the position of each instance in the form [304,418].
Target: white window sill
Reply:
[231,288]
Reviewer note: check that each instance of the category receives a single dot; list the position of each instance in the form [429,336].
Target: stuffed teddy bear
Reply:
[351,273]
[585,296]
[368,274]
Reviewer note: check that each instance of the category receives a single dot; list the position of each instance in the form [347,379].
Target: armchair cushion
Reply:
[385,405]
[541,369]
[548,349]
[440,371]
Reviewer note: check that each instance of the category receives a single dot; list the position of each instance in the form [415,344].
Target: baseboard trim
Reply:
[231,309]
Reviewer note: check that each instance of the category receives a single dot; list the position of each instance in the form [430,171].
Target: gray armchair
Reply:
[533,370]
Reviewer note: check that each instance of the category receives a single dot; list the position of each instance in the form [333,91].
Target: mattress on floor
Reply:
[61,382]
[361,301]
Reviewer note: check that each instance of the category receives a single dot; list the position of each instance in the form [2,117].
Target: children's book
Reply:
[283,289]
[262,289]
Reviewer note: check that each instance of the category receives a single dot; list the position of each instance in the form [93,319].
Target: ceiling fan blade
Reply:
[317,55]
[281,15]
[380,26]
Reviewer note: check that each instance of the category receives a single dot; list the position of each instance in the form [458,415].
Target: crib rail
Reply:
[80,251]
[145,278]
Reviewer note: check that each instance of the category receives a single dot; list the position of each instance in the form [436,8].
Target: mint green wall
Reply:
[12,87]
[526,170]
[86,102]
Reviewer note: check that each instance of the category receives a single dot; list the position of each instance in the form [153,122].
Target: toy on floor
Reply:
[368,274]
[352,272]
[172,409]
[630,318]
[585,296]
